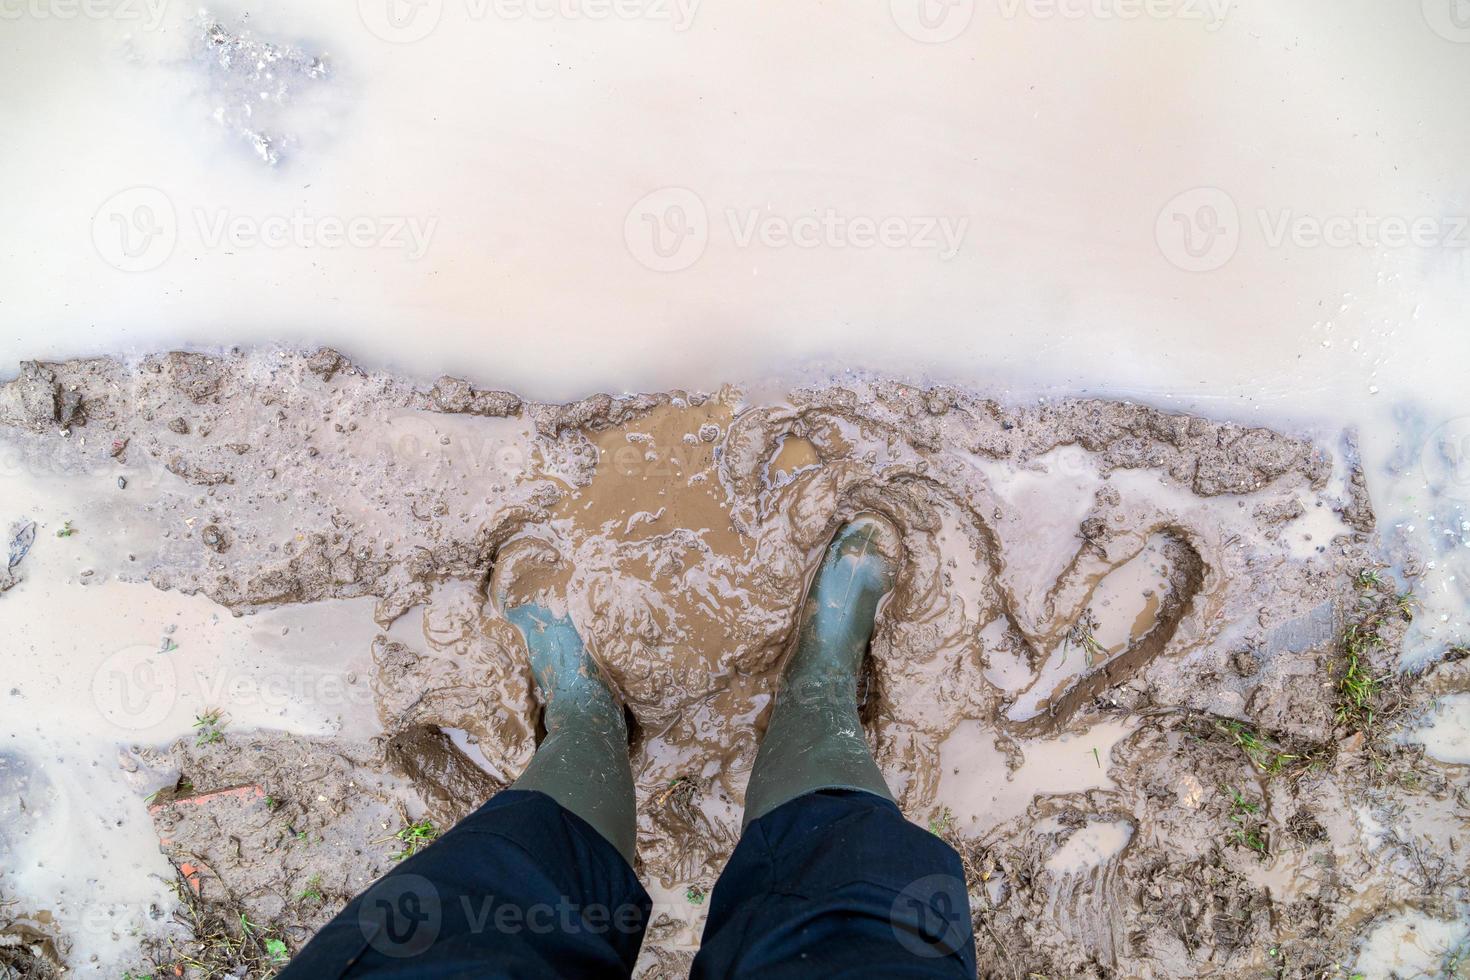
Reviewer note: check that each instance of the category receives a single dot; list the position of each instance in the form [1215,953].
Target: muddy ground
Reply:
[1215,593]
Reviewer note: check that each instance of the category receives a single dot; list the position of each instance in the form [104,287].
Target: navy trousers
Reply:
[834,883]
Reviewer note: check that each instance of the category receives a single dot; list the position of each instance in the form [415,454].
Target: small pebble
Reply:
[122,483]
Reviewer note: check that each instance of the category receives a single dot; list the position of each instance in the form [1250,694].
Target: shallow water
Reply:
[96,664]
[1445,734]
[981,792]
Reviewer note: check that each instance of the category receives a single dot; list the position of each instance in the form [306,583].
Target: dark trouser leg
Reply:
[522,887]
[838,884]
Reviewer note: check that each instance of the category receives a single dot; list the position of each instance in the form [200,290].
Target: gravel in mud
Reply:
[1196,587]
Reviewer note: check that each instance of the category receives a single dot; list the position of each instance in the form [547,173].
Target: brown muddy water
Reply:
[248,640]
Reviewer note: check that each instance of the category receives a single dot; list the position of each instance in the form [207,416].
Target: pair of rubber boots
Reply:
[814,740]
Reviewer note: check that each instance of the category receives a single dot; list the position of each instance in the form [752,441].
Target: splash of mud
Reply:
[1159,597]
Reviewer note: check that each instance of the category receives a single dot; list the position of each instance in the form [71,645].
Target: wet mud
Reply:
[1111,673]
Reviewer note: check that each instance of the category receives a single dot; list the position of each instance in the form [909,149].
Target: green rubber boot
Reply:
[815,739]
[583,761]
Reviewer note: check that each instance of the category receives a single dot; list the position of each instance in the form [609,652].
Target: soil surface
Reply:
[1140,668]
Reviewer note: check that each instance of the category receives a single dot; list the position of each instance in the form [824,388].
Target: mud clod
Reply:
[454,395]
[214,538]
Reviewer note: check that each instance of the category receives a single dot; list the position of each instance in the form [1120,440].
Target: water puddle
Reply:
[139,669]
[1445,730]
[982,792]
[1095,843]
[1410,944]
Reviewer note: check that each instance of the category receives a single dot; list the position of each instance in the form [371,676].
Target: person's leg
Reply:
[583,761]
[828,876]
[815,739]
[538,882]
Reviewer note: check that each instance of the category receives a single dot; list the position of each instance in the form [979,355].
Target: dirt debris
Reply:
[1067,562]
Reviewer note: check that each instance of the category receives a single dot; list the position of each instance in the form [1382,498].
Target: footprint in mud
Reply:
[1112,611]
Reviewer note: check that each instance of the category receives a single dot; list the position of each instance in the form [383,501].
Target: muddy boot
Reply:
[815,739]
[582,763]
